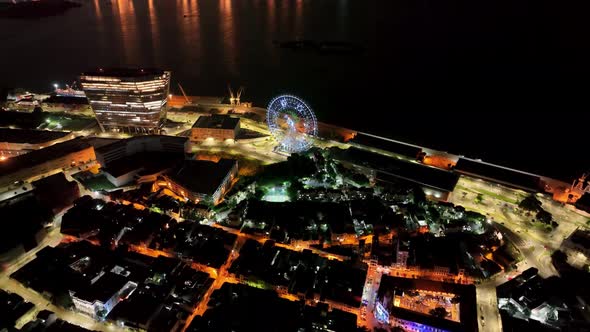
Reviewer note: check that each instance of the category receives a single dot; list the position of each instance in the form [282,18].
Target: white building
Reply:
[106,290]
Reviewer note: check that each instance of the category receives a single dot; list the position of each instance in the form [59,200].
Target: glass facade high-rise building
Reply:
[132,100]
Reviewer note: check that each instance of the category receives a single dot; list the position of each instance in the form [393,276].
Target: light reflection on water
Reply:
[481,45]
[206,43]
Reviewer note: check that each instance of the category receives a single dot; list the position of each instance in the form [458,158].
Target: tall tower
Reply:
[124,99]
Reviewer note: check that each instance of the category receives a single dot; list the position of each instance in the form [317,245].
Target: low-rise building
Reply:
[143,167]
[14,310]
[45,162]
[387,145]
[426,305]
[149,143]
[55,192]
[14,142]
[103,294]
[529,302]
[245,308]
[436,183]
[583,203]
[219,127]
[202,180]
[499,174]
[140,158]
[402,251]
[578,243]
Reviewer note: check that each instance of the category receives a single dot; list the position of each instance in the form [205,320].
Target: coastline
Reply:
[333,132]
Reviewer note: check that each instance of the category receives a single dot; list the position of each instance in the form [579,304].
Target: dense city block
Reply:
[129,209]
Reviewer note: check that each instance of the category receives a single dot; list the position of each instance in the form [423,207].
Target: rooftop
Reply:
[583,203]
[37,157]
[138,309]
[146,162]
[30,136]
[103,289]
[116,144]
[201,176]
[57,180]
[299,272]
[499,173]
[45,314]
[581,237]
[216,121]
[99,142]
[253,309]
[123,72]
[466,294]
[388,145]
[390,167]
[63,326]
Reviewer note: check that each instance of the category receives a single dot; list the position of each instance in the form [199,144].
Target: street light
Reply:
[55,85]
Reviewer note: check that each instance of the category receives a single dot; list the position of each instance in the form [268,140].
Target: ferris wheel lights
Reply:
[291,122]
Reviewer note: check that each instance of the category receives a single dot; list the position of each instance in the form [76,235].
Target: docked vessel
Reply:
[70,92]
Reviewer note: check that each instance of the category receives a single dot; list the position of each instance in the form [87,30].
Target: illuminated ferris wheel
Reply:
[292,123]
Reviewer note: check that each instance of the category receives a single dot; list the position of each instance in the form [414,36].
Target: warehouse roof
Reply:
[498,173]
[30,136]
[389,167]
[36,157]
[201,176]
[388,145]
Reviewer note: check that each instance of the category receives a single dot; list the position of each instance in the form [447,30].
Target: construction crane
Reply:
[232,99]
[184,94]
[235,99]
[240,90]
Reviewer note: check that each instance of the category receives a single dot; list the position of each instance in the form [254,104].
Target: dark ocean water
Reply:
[505,81]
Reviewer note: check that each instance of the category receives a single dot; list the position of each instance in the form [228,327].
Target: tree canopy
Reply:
[530,203]
[439,312]
[544,216]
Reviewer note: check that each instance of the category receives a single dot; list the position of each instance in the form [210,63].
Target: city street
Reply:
[52,239]
[498,203]
[536,245]
[26,186]
[42,303]
[220,278]
[487,307]
[260,151]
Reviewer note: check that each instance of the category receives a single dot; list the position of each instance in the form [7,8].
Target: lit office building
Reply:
[132,100]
